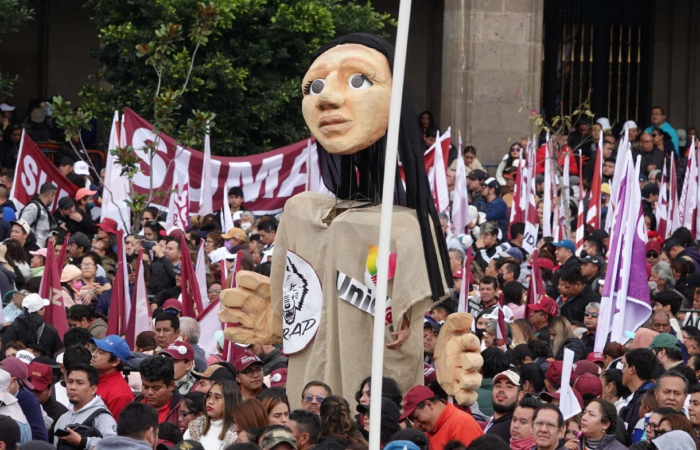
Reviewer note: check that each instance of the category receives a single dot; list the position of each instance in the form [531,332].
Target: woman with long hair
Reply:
[277,410]
[390,390]
[672,422]
[191,408]
[515,152]
[19,257]
[82,316]
[471,162]
[612,352]
[337,422]
[216,429]
[250,413]
[522,332]
[613,390]
[562,337]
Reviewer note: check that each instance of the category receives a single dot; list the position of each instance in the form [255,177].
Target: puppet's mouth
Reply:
[334,122]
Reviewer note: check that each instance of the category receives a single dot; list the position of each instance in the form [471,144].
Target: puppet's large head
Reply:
[346,98]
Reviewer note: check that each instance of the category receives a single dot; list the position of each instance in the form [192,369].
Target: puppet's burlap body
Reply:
[341,352]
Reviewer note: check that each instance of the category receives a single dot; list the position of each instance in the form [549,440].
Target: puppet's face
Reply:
[346,98]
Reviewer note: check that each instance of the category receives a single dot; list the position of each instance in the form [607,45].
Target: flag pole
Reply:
[385,227]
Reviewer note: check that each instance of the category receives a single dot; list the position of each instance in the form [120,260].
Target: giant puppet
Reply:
[319,299]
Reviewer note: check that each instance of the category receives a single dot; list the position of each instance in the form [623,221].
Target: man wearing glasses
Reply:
[313,395]
[249,369]
[652,158]
[658,121]
[548,428]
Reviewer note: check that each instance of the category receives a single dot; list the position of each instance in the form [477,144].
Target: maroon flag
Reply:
[140,317]
[117,310]
[536,288]
[192,304]
[51,289]
[64,250]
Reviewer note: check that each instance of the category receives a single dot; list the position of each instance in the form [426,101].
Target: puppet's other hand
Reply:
[249,309]
[458,359]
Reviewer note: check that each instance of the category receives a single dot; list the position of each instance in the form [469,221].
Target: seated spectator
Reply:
[25,327]
[82,316]
[216,429]
[157,378]
[94,290]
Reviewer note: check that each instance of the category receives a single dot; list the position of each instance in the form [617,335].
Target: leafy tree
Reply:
[248,74]
[13,14]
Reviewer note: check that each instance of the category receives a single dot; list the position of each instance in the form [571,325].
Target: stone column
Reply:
[491,67]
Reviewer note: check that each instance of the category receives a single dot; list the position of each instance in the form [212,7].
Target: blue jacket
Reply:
[497,210]
[32,411]
[666,127]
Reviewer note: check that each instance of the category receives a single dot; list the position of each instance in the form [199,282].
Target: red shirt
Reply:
[573,160]
[162,411]
[115,392]
[454,424]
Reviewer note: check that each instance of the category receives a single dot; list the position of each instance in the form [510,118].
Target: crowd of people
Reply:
[91,389]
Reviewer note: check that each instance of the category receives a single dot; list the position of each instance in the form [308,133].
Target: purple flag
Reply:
[625,305]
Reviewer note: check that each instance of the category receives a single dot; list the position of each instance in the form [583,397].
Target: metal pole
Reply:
[375,411]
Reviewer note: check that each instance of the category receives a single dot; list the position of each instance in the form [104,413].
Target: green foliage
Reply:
[243,60]
[71,120]
[14,14]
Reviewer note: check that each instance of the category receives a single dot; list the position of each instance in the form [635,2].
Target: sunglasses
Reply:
[594,315]
[652,255]
[309,398]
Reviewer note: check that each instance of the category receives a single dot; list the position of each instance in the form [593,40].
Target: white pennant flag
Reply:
[200,272]
[206,196]
[442,195]
[460,199]
[115,194]
[142,321]
[226,217]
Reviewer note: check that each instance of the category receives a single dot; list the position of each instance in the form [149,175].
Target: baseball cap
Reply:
[236,233]
[9,430]
[429,322]
[215,372]
[83,192]
[643,177]
[277,436]
[595,357]
[664,340]
[515,252]
[547,305]
[80,239]
[22,223]
[278,377]
[589,384]
[413,397]
[40,252]
[188,444]
[429,374]
[6,108]
[492,183]
[583,367]
[457,275]
[566,243]
[595,260]
[81,168]
[478,175]
[17,369]
[510,375]
[547,397]
[25,356]
[220,254]
[108,225]
[177,270]
[65,203]
[653,245]
[409,436]
[245,360]
[172,303]
[553,374]
[40,375]
[510,172]
[113,344]
[34,302]
[180,350]
[545,263]
[539,179]
[600,234]
[403,445]
[388,407]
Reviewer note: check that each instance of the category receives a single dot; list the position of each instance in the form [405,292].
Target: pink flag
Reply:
[460,198]
[192,304]
[50,289]
[118,313]
[532,223]
[548,188]
[440,191]
[673,220]
[593,215]
[662,206]
[688,202]
[140,317]
[535,289]
[580,225]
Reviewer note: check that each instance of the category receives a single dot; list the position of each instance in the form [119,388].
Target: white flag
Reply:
[114,196]
[206,196]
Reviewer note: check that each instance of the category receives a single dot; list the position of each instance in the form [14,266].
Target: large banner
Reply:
[267,179]
[34,169]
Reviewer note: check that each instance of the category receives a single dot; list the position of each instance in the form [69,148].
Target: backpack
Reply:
[38,213]
[85,429]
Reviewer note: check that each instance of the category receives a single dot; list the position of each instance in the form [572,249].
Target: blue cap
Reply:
[401,445]
[566,243]
[113,344]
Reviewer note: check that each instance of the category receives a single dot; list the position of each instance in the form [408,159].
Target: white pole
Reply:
[385,228]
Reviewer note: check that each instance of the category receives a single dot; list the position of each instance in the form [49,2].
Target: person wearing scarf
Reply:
[521,426]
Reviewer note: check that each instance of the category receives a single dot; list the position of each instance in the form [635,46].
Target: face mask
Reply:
[89,205]
[479,333]
[245,226]
[228,245]
[500,279]
[583,254]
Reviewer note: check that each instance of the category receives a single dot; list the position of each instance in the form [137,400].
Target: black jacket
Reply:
[630,413]
[501,427]
[26,330]
[87,225]
[274,360]
[574,307]
[162,276]
[575,345]
[570,263]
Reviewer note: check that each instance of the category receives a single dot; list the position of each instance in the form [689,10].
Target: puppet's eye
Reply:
[359,81]
[314,87]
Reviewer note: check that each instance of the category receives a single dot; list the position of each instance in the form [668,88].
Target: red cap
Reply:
[278,377]
[40,375]
[413,397]
[546,304]
[245,360]
[457,274]
[172,303]
[180,350]
[553,374]
[429,374]
[653,245]
[545,263]
[83,192]
[584,366]
[596,357]
[547,397]
[589,384]
[108,225]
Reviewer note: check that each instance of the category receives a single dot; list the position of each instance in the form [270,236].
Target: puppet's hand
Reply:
[457,359]
[249,306]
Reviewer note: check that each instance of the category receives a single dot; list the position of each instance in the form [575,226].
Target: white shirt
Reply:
[210,441]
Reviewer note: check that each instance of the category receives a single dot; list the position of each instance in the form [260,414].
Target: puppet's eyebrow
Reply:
[346,64]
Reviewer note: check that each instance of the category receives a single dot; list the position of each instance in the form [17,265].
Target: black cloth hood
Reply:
[339,172]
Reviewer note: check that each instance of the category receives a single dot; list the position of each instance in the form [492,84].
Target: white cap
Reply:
[604,123]
[5,107]
[25,356]
[220,254]
[34,302]
[81,168]
[5,396]
[628,125]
